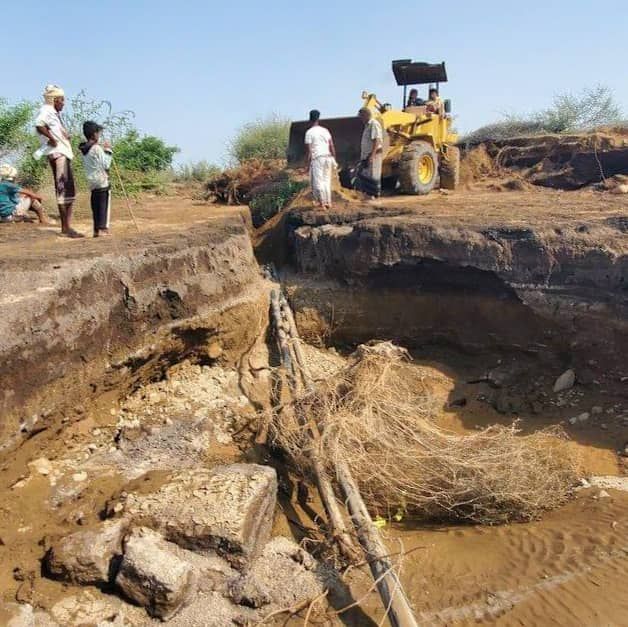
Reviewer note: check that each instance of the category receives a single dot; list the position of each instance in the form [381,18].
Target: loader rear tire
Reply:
[418,168]
[450,168]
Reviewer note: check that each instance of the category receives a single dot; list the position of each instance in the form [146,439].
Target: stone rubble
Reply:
[87,557]
[197,551]
[152,576]
[228,509]
[565,381]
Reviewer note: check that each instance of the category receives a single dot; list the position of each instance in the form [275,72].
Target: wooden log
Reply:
[325,488]
[396,604]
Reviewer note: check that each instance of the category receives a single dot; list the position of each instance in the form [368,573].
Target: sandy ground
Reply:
[569,568]
[26,242]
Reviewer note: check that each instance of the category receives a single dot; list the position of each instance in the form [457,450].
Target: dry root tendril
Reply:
[375,415]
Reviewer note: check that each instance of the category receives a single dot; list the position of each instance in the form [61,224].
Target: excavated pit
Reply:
[119,368]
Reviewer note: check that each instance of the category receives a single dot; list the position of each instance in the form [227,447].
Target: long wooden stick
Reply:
[395,602]
[126,196]
[323,483]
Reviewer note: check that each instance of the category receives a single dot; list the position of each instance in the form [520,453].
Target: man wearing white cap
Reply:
[55,145]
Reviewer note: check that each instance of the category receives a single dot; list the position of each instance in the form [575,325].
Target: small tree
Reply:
[263,139]
[143,154]
[81,108]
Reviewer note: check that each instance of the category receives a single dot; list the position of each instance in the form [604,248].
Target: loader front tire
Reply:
[450,168]
[418,168]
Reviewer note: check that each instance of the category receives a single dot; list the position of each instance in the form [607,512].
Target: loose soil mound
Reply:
[378,417]
[558,161]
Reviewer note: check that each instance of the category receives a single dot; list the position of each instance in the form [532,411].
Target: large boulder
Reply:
[227,509]
[152,575]
[88,557]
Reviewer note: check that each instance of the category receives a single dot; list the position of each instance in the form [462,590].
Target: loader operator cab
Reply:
[408,73]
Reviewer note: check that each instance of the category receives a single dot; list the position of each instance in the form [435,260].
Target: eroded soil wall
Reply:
[73,328]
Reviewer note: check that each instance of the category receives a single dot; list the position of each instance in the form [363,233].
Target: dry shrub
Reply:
[376,415]
[235,185]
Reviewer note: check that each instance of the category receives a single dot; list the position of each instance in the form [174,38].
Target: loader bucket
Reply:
[346,133]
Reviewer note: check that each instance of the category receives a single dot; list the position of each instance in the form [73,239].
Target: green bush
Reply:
[143,154]
[263,139]
[15,126]
[587,110]
[269,202]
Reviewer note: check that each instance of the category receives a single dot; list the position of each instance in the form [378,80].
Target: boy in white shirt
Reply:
[321,159]
[97,161]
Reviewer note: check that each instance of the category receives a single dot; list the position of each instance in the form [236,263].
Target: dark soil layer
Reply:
[521,269]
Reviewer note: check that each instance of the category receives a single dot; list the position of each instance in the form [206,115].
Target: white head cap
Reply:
[51,92]
[7,172]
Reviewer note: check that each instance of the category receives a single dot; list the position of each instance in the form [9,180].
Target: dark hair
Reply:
[414,90]
[315,115]
[433,90]
[90,129]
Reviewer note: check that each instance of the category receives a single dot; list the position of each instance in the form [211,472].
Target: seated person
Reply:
[435,104]
[414,100]
[15,201]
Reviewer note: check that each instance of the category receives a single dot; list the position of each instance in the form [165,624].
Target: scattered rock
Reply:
[583,417]
[565,381]
[79,476]
[24,615]
[88,557]
[214,350]
[596,410]
[41,466]
[152,575]
[250,591]
[285,575]
[227,508]
[603,494]
[93,608]
[610,483]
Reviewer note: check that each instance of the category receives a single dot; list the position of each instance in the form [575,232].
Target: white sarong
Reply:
[321,169]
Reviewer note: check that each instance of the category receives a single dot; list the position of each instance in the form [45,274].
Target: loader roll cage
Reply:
[407,72]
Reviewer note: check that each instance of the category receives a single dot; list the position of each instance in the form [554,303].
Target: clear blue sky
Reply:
[193,71]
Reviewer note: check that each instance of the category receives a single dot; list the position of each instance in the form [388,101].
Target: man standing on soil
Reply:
[371,151]
[55,145]
[321,158]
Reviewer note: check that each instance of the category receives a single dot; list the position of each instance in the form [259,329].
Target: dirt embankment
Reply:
[566,162]
[79,318]
[527,269]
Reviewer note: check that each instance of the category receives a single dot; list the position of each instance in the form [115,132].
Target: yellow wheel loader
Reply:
[419,146]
